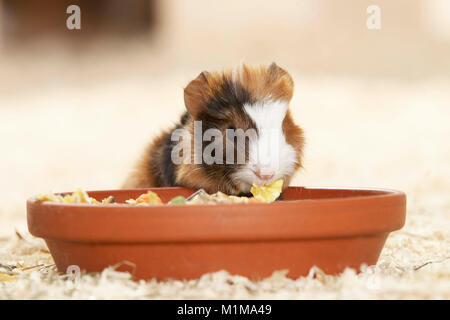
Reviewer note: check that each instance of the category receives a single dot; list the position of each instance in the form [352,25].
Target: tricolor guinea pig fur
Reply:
[242,98]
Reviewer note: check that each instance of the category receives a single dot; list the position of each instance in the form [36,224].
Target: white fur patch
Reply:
[270,152]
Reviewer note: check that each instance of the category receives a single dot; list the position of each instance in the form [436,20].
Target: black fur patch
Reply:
[230,95]
[184,118]
[168,167]
[164,169]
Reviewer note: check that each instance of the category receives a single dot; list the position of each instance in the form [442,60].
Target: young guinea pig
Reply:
[255,100]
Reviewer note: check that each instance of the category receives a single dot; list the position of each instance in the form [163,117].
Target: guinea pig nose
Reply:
[264,174]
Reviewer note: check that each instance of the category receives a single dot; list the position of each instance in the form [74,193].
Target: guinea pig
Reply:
[245,99]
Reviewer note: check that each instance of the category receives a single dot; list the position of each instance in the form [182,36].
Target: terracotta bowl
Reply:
[329,228]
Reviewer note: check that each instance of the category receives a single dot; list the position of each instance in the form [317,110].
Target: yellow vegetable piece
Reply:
[79,196]
[149,198]
[268,193]
[49,197]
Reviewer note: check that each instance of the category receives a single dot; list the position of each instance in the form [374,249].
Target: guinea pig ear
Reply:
[282,85]
[196,94]
[273,68]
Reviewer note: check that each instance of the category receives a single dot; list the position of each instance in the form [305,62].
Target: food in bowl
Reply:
[261,194]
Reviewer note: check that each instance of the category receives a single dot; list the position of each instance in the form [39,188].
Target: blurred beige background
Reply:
[77,106]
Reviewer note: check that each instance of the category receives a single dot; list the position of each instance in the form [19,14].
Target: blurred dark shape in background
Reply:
[30,19]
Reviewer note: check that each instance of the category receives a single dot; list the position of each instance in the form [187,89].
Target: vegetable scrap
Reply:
[79,196]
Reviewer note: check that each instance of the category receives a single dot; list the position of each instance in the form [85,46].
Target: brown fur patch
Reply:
[192,176]
[263,82]
[295,137]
